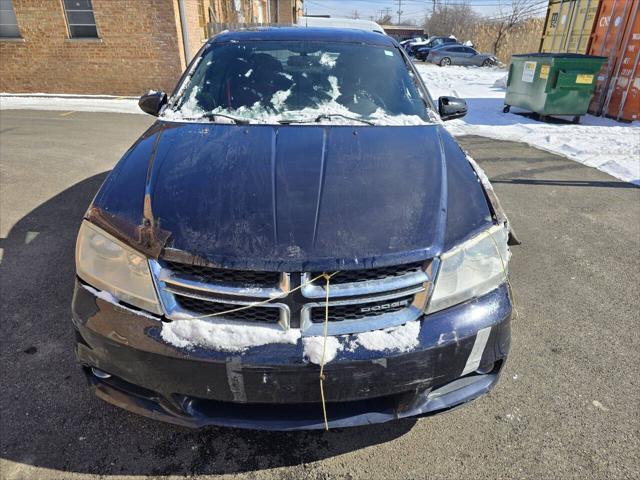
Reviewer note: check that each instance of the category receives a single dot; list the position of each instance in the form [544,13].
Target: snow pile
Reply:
[399,339]
[313,347]
[76,103]
[224,335]
[394,339]
[501,82]
[605,144]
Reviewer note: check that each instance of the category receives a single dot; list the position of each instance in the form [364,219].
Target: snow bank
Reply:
[77,103]
[224,335]
[602,143]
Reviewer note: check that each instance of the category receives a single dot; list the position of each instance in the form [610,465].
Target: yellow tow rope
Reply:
[324,349]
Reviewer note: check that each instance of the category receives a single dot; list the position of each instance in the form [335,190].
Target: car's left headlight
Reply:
[106,263]
[472,269]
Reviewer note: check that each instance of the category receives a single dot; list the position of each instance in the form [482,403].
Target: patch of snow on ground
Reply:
[224,335]
[313,347]
[67,103]
[401,339]
[603,143]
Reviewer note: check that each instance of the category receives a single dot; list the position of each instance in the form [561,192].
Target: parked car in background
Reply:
[406,44]
[460,55]
[422,51]
[297,202]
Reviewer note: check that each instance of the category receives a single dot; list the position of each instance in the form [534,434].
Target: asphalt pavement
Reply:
[567,405]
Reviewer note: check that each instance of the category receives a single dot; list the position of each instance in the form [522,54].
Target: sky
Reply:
[411,9]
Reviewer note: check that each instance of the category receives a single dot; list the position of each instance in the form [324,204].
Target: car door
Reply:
[471,56]
[456,54]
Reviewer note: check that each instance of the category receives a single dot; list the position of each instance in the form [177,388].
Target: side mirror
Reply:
[152,102]
[451,107]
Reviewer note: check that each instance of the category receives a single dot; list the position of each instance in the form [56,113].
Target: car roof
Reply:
[301,33]
[334,22]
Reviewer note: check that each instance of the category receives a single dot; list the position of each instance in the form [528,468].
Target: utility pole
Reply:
[433,11]
[399,11]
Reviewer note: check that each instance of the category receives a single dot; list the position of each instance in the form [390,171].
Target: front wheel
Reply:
[506,108]
[446,61]
[487,63]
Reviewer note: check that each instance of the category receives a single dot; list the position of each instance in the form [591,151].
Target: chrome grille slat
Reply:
[368,287]
[369,274]
[168,276]
[207,275]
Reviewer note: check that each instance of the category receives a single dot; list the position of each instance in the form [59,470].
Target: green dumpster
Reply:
[552,83]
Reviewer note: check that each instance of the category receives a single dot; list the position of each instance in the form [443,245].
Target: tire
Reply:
[446,61]
[506,108]
[487,63]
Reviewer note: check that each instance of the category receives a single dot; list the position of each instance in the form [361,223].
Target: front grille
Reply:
[224,275]
[353,276]
[338,313]
[360,300]
[205,307]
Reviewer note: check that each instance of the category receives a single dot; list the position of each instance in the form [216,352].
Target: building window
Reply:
[202,20]
[80,19]
[8,22]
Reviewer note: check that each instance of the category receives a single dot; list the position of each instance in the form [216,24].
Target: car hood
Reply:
[298,198]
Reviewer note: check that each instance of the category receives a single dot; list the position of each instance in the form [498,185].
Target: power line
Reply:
[335,8]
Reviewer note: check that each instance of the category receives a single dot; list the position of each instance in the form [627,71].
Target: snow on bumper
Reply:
[197,386]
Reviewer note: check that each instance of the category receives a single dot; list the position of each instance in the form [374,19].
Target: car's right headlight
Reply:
[472,269]
[106,263]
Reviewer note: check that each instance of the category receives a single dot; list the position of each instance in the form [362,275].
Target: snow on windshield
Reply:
[279,82]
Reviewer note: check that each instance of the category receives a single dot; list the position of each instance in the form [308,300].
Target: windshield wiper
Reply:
[324,116]
[238,121]
[328,116]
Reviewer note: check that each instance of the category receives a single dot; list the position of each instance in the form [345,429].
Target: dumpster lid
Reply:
[557,55]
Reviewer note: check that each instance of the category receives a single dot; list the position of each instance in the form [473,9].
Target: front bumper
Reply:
[459,357]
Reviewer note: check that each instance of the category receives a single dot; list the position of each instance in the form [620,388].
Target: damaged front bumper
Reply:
[459,356]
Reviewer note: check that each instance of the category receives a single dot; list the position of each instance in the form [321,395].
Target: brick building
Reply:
[116,47]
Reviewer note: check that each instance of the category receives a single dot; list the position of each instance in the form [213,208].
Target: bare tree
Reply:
[520,11]
[384,19]
[451,19]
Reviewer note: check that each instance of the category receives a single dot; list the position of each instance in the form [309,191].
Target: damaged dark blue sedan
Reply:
[296,243]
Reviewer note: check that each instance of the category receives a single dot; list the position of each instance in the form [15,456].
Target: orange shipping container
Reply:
[616,35]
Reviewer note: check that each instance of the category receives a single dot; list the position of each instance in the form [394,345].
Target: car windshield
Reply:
[300,82]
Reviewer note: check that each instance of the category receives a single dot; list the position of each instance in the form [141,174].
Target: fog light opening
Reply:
[99,373]
[486,369]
